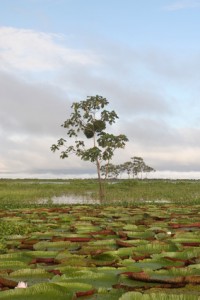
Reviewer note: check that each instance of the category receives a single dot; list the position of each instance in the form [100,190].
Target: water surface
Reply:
[71,199]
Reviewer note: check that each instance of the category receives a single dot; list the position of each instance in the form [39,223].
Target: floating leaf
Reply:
[156,296]
[31,276]
[40,291]
[12,265]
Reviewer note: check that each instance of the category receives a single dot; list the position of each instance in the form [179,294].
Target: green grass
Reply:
[17,193]
[27,192]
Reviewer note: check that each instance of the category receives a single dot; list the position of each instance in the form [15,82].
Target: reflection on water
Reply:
[158,201]
[70,199]
[86,199]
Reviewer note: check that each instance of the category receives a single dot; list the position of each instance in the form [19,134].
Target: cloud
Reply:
[29,50]
[164,147]
[184,4]
[40,76]
[30,108]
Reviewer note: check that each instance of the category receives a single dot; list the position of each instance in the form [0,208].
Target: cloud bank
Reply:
[41,75]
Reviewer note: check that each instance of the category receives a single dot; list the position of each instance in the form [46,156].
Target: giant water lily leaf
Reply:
[125,251]
[15,256]
[171,277]
[131,243]
[13,265]
[76,287]
[16,237]
[40,291]
[6,283]
[185,225]
[105,294]
[175,272]
[96,279]
[103,243]
[131,296]
[156,247]
[43,235]
[31,276]
[86,227]
[52,246]
[188,241]
[74,260]
[148,264]
[194,266]
[141,235]
[189,235]
[156,296]
[131,227]
[107,250]
[184,255]
[132,284]
[160,263]
[69,270]
[40,253]
[106,256]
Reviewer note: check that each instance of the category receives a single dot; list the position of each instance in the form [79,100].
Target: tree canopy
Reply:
[92,142]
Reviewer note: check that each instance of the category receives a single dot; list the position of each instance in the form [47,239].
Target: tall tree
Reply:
[87,125]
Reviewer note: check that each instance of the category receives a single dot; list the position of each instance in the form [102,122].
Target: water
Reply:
[71,199]
[158,201]
[86,199]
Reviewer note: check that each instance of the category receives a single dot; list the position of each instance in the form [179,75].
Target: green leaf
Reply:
[31,276]
[13,265]
[52,246]
[156,296]
[42,291]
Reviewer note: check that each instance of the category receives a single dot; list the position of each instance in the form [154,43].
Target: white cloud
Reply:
[28,50]
[184,4]
[135,83]
[30,108]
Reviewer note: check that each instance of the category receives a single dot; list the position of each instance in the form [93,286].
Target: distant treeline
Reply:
[135,168]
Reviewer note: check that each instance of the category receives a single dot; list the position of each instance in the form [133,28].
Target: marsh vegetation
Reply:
[20,193]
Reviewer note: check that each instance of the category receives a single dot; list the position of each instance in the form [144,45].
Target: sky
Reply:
[142,56]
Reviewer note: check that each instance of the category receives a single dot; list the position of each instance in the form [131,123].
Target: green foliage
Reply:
[92,128]
[89,117]
[8,228]
[110,171]
[132,168]
[84,119]
[13,227]
[3,247]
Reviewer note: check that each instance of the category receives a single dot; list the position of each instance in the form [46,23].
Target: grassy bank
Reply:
[18,193]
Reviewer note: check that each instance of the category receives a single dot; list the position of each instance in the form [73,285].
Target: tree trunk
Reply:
[101,188]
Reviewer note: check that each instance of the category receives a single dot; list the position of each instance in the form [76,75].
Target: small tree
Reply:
[138,165]
[127,167]
[148,169]
[88,121]
[110,171]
